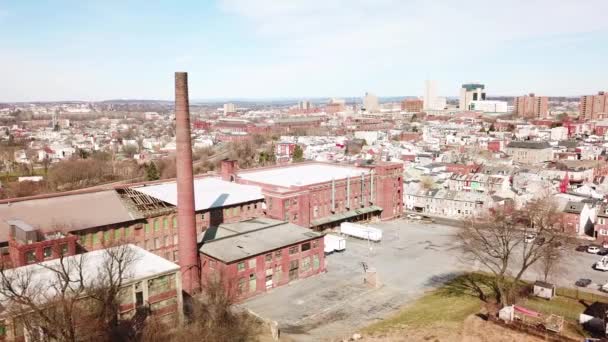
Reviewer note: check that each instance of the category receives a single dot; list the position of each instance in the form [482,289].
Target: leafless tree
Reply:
[214,317]
[62,301]
[497,241]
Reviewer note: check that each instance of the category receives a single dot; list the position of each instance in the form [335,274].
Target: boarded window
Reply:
[252,283]
[268,257]
[241,286]
[156,225]
[293,250]
[147,228]
[174,222]
[166,223]
[157,243]
[116,234]
[306,264]
[240,266]
[315,262]
[315,244]
[252,263]
[48,252]
[277,254]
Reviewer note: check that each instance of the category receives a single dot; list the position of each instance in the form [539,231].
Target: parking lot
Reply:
[412,258]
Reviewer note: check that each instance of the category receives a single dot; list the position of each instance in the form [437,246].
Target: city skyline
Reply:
[305,49]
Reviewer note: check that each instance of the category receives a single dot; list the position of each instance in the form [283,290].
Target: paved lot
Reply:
[412,258]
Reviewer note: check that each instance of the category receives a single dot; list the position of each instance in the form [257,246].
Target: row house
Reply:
[448,203]
[478,182]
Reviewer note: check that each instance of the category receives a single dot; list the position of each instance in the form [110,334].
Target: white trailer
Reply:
[334,243]
[602,264]
[360,231]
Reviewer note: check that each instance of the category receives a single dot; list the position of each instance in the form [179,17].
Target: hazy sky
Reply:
[108,49]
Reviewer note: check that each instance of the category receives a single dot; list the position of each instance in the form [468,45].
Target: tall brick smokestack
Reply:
[188,253]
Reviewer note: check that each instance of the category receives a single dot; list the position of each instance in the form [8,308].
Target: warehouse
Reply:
[260,254]
[321,195]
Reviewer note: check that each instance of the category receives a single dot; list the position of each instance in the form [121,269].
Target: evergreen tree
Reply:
[298,154]
[152,172]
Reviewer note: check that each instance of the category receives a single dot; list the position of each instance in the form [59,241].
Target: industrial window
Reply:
[63,249]
[107,236]
[306,264]
[287,203]
[286,216]
[163,304]
[157,243]
[255,205]
[166,223]
[315,243]
[116,234]
[160,284]
[174,222]
[175,239]
[276,277]
[240,266]
[149,244]
[252,263]
[147,228]
[129,231]
[212,263]
[30,257]
[252,283]
[293,250]
[315,262]
[305,246]
[95,238]
[48,252]
[277,254]
[269,257]
[167,240]
[156,225]
[83,239]
[175,256]
[294,264]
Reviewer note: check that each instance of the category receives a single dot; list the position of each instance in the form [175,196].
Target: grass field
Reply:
[447,307]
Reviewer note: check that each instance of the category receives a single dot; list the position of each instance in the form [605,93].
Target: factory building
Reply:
[260,254]
[322,195]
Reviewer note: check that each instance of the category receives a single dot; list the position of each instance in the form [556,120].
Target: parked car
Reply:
[593,249]
[603,252]
[582,248]
[414,217]
[605,244]
[583,282]
[529,238]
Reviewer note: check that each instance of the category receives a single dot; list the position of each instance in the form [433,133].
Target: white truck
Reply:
[360,231]
[334,243]
[602,264]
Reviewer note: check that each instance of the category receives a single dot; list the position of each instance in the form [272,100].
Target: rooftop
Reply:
[145,265]
[535,145]
[303,174]
[209,192]
[235,241]
[67,213]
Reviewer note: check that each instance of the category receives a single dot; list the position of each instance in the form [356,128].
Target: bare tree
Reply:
[67,300]
[214,318]
[497,241]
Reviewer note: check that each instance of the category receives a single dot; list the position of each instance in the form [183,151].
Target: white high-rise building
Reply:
[370,103]
[431,100]
[430,95]
[471,92]
[229,108]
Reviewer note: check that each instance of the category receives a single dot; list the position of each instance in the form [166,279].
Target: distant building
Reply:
[594,107]
[335,105]
[229,108]
[304,105]
[412,105]
[431,101]
[471,92]
[530,152]
[531,106]
[489,106]
[370,103]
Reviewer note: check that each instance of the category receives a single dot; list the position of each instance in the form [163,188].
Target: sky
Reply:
[52,50]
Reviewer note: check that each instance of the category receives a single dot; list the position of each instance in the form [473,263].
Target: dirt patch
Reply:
[474,329]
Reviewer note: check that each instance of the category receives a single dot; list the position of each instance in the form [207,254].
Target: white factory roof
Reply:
[209,192]
[42,278]
[304,174]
